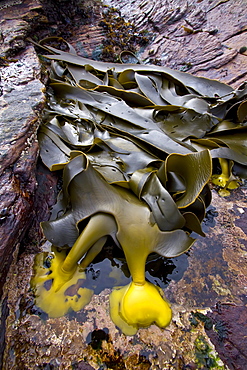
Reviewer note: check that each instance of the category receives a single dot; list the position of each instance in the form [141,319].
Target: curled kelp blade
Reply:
[163,207]
[85,78]
[124,154]
[117,90]
[152,140]
[227,153]
[193,223]
[78,133]
[54,153]
[205,87]
[227,126]
[148,187]
[231,106]
[58,40]
[173,95]
[173,182]
[133,98]
[86,193]
[242,111]
[197,208]
[148,89]
[187,167]
[237,141]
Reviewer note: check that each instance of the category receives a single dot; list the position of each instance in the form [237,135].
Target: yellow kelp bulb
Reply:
[220,180]
[143,305]
[134,306]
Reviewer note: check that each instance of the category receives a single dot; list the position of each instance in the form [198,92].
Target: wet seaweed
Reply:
[136,144]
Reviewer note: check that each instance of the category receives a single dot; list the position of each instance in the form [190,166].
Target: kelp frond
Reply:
[137,145]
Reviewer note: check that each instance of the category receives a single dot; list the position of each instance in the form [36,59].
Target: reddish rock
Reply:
[196,36]
[229,334]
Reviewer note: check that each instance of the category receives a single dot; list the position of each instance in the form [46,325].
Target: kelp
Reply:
[137,145]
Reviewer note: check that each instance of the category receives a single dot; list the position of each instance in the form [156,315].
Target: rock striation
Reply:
[21,101]
[205,38]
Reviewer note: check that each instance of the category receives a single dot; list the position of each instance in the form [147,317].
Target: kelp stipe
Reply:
[110,209]
[226,181]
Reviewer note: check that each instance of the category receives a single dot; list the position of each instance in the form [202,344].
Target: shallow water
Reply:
[110,269]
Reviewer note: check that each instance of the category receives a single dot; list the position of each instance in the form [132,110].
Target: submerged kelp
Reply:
[136,144]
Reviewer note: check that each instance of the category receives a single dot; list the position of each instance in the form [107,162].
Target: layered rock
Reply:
[21,101]
[205,38]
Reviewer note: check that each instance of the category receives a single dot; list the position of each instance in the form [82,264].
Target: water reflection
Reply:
[107,272]
[110,268]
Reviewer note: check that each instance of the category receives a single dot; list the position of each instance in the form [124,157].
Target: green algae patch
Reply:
[205,357]
[137,146]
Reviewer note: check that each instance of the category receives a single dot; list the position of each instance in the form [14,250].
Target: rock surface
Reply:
[21,101]
[202,37]
[210,288]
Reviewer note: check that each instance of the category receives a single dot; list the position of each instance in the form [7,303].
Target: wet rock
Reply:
[17,20]
[21,102]
[203,283]
[192,36]
[82,366]
[229,334]
[13,33]
[73,20]
[4,314]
